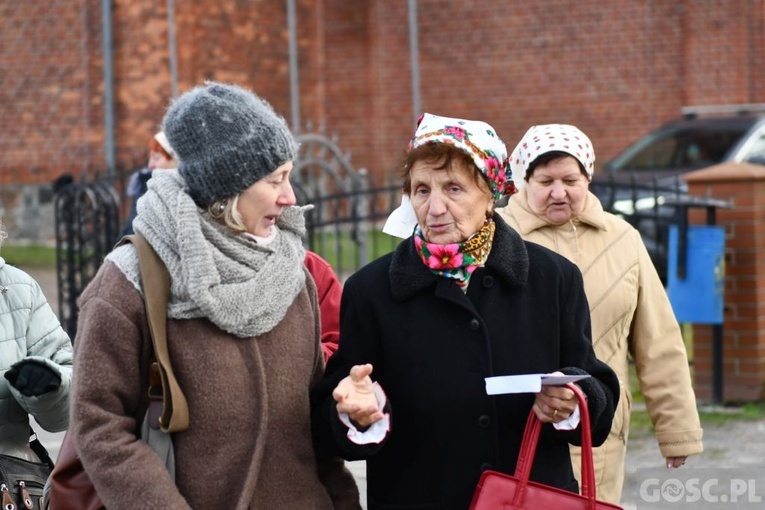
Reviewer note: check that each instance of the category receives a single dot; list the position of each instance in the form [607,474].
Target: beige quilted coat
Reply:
[631,314]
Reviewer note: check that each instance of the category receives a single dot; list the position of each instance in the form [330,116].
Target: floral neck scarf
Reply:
[458,260]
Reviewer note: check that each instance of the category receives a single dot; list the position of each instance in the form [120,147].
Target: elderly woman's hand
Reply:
[555,403]
[675,462]
[355,396]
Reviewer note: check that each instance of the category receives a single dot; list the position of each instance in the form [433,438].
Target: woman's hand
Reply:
[355,396]
[675,462]
[555,403]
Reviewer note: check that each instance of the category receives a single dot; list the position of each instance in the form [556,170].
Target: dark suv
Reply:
[645,177]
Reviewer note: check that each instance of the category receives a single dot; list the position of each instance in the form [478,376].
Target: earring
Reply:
[217,209]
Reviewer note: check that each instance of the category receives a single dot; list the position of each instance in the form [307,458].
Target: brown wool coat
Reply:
[249,443]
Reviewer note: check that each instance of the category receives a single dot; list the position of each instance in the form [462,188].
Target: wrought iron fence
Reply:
[648,204]
[87,223]
[344,226]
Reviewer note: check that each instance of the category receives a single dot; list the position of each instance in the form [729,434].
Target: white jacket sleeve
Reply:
[48,343]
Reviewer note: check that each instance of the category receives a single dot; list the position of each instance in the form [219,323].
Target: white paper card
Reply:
[560,380]
[527,383]
[531,383]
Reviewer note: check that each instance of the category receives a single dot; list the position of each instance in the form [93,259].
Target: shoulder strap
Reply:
[156,289]
[38,448]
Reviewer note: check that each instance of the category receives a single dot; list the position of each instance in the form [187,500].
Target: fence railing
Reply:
[87,223]
[344,226]
[648,205]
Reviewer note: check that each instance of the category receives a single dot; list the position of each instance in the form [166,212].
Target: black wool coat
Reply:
[432,345]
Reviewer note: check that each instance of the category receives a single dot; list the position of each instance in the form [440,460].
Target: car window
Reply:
[647,153]
[756,150]
[679,148]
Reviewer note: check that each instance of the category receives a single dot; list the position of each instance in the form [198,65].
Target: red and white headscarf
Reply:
[545,138]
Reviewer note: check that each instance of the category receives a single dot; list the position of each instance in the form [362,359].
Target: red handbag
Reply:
[498,491]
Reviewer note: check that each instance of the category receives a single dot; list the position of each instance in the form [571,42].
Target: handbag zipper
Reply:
[25,499]
[8,503]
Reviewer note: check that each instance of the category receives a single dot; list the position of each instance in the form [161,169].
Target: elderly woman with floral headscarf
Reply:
[461,299]
[631,314]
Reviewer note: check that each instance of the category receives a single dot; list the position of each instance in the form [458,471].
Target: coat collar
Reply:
[592,215]
[508,259]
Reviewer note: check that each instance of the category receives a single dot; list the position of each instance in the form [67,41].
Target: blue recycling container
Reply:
[698,297]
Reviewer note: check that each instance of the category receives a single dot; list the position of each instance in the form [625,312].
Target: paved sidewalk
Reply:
[739,444]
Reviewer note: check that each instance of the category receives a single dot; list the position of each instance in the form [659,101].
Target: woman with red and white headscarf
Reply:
[461,299]
[631,314]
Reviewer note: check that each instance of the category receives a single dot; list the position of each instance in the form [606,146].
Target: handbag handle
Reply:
[156,287]
[529,447]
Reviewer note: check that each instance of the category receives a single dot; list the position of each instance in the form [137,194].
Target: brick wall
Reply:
[615,71]
[51,109]
[743,367]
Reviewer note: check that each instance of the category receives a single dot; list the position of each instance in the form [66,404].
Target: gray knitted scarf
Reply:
[242,287]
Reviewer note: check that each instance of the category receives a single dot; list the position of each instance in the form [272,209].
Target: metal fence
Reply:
[344,226]
[349,207]
[87,223]
[649,205]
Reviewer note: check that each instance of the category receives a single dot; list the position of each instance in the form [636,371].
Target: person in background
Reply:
[463,298]
[631,314]
[329,290]
[161,157]
[243,326]
[35,362]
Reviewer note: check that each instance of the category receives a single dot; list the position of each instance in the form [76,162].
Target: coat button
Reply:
[474,325]
[484,421]
[485,466]
[488,281]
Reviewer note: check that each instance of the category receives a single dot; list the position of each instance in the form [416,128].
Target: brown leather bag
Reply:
[69,487]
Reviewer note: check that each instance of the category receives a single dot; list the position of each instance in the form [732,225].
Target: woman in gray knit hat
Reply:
[243,328]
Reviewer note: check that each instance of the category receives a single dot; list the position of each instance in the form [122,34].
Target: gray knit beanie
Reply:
[226,139]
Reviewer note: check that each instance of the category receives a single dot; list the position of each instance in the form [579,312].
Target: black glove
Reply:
[32,378]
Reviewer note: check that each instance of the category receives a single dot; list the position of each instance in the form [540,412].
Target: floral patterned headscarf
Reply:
[478,140]
[457,260]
